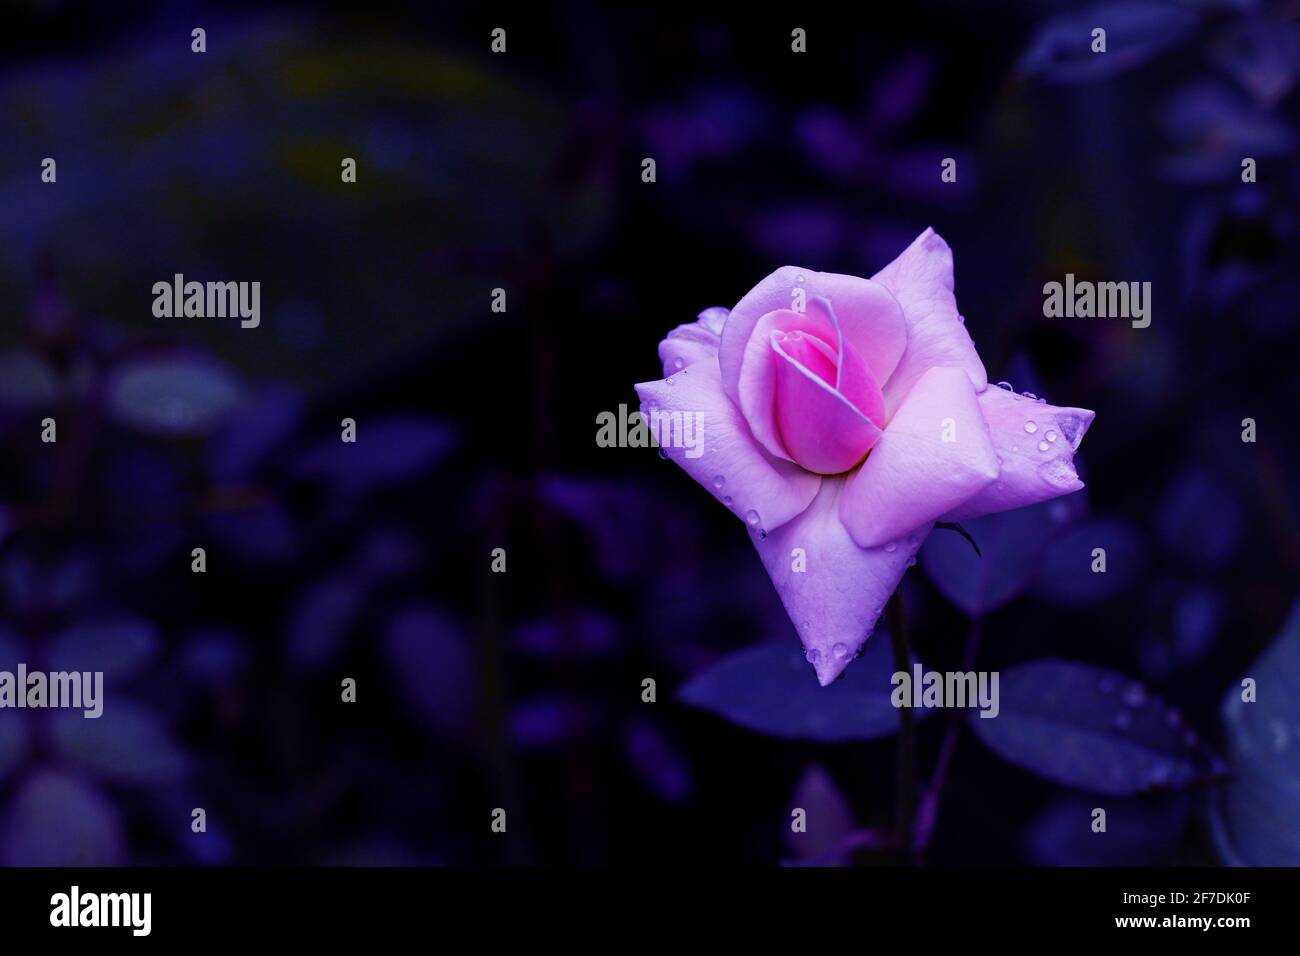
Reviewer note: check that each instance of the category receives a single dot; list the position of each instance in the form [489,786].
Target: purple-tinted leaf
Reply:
[1256,814]
[587,633]
[548,721]
[144,479]
[611,513]
[900,94]
[956,528]
[831,142]
[657,763]
[119,646]
[1144,831]
[255,429]
[213,847]
[433,667]
[1092,729]
[387,451]
[714,124]
[828,818]
[1066,576]
[14,728]
[26,381]
[126,744]
[321,618]
[57,819]
[173,395]
[1136,31]
[1201,520]
[806,232]
[913,174]
[213,657]
[1011,547]
[33,587]
[1213,127]
[387,553]
[1197,617]
[14,737]
[262,534]
[1263,55]
[11,649]
[772,690]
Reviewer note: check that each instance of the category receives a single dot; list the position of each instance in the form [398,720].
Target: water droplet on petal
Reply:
[1006,385]
[1051,435]
[891,546]
[752,517]
[840,651]
[726,499]
[718,481]
[1043,446]
[812,655]
[1031,427]
[678,362]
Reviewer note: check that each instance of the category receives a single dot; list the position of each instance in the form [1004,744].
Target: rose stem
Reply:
[906,808]
[929,813]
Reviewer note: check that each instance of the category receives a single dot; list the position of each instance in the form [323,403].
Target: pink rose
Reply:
[842,417]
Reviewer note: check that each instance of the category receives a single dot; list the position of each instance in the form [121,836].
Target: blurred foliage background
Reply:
[475,429]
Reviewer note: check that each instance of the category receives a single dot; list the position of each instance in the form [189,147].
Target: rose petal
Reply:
[692,342]
[822,430]
[921,280]
[869,317]
[732,466]
[858,385]
[758,374]
[838,597]
[1029,472]
[935,454]
[810,352]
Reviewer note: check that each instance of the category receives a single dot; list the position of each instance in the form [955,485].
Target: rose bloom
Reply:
[842,417]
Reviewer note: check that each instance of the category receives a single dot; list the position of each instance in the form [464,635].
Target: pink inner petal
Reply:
[757,399]
[811,352]
[859,386]
[820,428]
